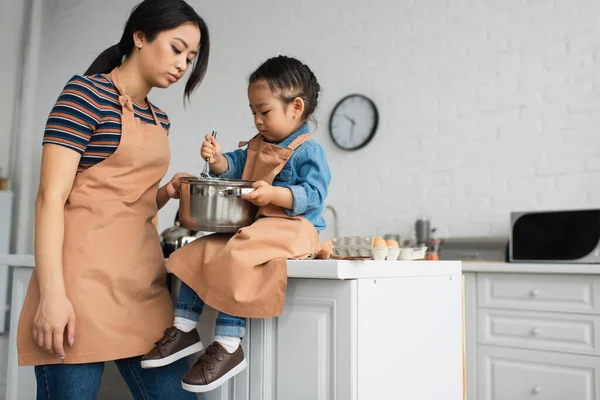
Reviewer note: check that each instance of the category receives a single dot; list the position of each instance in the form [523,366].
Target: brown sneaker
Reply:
[173,346]
[213,369]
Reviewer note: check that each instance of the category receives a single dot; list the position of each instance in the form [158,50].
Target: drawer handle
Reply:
[536,390]
[535,332]
[535,292]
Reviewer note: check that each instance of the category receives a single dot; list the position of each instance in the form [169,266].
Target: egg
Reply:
[392,243]
[379,243]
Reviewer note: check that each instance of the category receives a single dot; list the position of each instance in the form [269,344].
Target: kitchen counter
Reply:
[531,268]
[327,269]
[335,313]
[344,269]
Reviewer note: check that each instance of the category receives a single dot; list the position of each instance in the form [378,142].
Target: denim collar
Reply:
[304,128]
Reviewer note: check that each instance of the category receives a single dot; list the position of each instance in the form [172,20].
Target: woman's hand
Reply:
[54,313]
[174,187]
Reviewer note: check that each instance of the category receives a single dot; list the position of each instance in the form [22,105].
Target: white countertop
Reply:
[346,269]
[328,269]
[530,268]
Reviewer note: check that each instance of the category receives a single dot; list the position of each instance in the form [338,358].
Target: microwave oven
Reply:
[566,236]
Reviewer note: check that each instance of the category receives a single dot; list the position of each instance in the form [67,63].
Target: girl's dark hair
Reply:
[152,17]
[291,78]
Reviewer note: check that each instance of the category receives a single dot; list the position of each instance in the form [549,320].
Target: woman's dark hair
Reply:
[291,78]
[152,17]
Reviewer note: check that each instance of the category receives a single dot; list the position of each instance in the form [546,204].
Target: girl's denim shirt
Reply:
[306,174]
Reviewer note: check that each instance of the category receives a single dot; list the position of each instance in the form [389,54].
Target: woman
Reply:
[98,291]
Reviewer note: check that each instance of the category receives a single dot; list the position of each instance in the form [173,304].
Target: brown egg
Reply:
[392,243]
[379,243]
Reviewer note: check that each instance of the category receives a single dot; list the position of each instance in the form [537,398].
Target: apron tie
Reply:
[126,102]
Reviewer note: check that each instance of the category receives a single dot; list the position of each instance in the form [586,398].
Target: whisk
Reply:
[204,173]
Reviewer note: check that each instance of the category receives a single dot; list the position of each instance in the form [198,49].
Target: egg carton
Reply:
[362,247]
[353,246]
[395,253]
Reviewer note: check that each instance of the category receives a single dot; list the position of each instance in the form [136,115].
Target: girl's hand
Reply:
[262,194]
[53,315]
[211,149]
[174,187]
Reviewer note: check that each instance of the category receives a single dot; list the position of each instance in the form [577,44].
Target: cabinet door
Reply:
[555,293]
[308,351]
[510,374]
[20,382]
[470,304]
[537,330]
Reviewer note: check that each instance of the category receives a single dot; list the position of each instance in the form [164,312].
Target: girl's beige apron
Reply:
[113,266]
[245,274]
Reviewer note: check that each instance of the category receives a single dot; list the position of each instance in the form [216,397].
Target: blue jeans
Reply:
[189,306]
[82,381]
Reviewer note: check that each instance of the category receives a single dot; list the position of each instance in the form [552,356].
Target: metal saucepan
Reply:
[214,205]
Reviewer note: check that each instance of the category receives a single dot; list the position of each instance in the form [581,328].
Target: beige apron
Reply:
[113,267]
[245,274]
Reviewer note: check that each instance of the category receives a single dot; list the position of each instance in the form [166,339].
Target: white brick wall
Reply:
[486,106]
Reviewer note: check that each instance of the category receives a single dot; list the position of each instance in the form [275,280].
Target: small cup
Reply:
[406,254]
[379,253]
[419,252]
[393,253]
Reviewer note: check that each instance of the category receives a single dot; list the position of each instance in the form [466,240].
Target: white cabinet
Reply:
[571,333]
[533,335]
[564,293]
[357,331]
[305,353]
[512,374]
[20,382]
[361,339]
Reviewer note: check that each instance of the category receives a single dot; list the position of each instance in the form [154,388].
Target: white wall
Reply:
[12,13]
[486,106]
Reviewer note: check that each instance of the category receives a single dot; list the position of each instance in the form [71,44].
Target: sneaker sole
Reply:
[213,385]
[195,348]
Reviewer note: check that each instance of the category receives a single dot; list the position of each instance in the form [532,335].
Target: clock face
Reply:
[353,122]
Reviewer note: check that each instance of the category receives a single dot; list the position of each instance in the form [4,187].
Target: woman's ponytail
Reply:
[107,60]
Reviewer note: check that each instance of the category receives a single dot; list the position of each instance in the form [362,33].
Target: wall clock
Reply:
[353,122]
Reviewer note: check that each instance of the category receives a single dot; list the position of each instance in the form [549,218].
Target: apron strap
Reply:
[299,140]
[124,98]
[293,146]
[156,121]
[113,77]
[244,143]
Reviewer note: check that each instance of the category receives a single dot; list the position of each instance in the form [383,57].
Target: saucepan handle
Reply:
[234,192]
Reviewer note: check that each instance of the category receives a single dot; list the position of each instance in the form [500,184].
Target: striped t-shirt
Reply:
[87,119]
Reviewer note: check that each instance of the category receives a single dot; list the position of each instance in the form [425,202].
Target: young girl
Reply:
[245,275]
[99,268]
